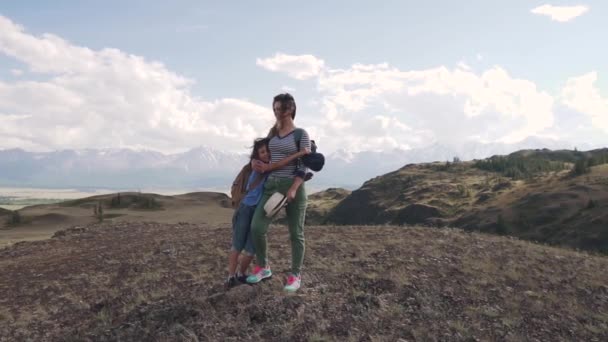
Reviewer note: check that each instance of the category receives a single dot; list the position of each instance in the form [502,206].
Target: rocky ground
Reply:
[162,282]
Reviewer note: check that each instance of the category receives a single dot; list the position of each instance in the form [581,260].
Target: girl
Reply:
[241,221]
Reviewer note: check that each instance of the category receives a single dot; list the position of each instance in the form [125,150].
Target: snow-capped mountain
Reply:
[205,167]
[118,168]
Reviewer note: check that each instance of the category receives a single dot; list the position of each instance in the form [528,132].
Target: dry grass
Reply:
[162,282]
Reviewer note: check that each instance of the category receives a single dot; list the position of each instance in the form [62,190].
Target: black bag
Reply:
[314,160]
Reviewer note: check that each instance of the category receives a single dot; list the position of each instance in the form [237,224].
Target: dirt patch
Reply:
[502,186]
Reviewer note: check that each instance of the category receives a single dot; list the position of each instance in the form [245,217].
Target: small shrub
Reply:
[149,202]
[98,211]
[463,190]
[501,226]
[15,218]
[116,201]
[442,167]
[580,167]
[487,183]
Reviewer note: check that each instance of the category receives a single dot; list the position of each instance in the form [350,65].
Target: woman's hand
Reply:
[293,189]
[303,152]
[291,194]
[259,166]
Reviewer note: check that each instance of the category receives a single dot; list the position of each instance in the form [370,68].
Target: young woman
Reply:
[288,180]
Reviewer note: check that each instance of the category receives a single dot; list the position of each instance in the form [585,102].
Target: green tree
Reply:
[99,211]
[15,218]
[581,167]
[116,202]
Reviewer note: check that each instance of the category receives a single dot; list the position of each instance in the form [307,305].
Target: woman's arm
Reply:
[301,170]
[283,162]
[263,167]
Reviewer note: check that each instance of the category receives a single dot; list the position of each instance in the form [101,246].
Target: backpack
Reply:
[239,189]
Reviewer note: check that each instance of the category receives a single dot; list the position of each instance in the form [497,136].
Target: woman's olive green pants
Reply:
[296,212]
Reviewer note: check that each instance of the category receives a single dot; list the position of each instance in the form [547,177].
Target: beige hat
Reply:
[274,204]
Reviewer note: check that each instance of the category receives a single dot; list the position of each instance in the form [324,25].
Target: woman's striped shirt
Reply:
[281,148]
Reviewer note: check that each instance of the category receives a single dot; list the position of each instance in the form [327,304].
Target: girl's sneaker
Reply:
[230,283]
[293,283]
[259,273]
[242,278]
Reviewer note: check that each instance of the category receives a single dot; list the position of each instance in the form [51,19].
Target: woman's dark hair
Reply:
[257,144]
[286,101]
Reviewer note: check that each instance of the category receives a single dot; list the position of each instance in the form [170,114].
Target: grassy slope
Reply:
[566,211]
[553,208]
[320,203]
[381,199]
[152,281]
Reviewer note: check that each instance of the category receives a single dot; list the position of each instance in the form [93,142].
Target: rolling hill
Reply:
[528,194]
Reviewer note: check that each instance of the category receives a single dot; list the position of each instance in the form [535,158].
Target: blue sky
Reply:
[229,52]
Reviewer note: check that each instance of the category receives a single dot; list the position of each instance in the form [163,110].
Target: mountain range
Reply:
[205,167]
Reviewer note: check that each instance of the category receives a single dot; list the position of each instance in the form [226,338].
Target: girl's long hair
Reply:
[257,144]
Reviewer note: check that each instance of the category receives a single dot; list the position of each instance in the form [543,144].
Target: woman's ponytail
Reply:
[274,131]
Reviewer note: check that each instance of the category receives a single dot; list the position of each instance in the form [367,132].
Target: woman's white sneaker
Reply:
[293,283]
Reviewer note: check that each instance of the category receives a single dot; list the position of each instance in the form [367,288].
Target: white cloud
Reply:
[377,106]
[464,66]
[84,98]
[300,67]
[581,94]
[16,72]
[108,98]
[430,105]
[560,13]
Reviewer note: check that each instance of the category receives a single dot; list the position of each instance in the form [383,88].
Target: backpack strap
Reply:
[297,134]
